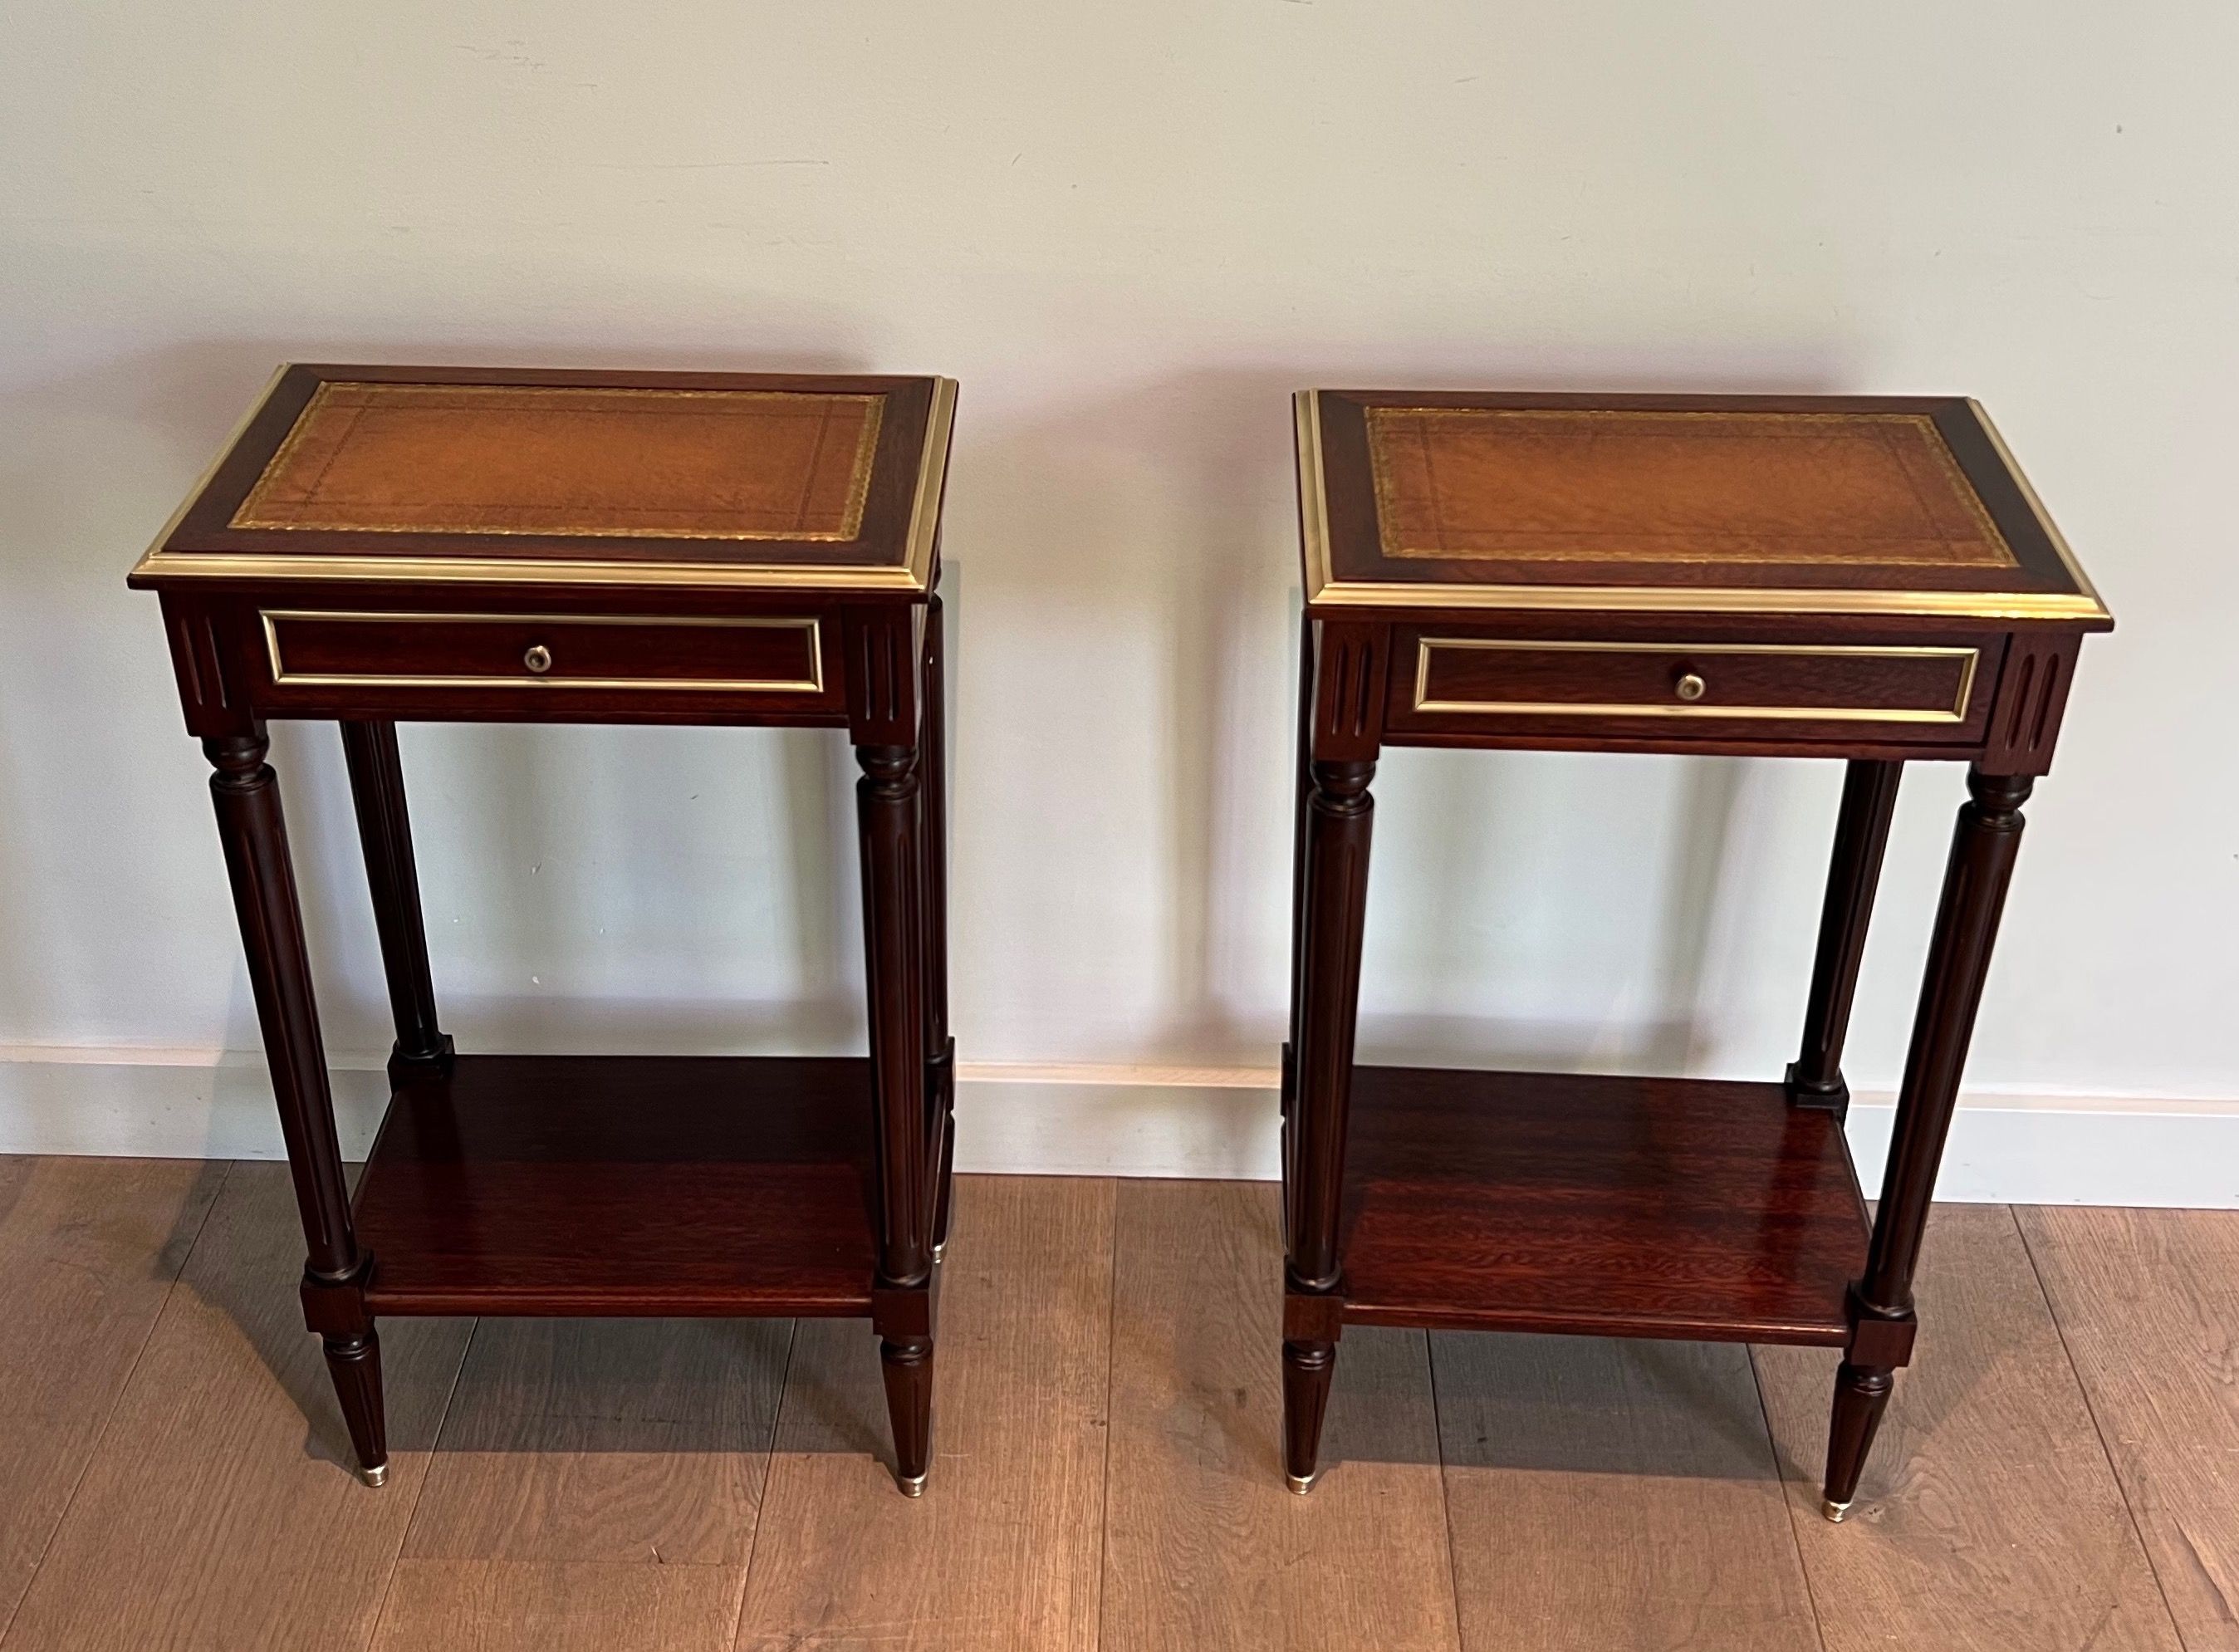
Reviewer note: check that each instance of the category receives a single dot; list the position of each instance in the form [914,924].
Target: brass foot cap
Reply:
[376,1475]
[911,1486]
[1834,1510]
[939,1250]
[1301,1484]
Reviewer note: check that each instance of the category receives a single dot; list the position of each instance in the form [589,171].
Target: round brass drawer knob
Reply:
[1690,687]
[538,660]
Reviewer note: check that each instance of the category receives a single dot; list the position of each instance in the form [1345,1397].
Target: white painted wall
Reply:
[1131,231]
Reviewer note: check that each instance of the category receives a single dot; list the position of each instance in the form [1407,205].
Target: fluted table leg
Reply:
[255,834]
[1983,846]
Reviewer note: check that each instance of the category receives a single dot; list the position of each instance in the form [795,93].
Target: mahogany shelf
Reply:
[1638,1207]
[613,1185]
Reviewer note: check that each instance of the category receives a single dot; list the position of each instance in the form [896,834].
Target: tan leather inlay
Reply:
[565,460]
[1594,485]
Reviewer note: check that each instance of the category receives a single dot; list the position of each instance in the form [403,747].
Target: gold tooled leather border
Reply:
[1939,451]
[250,513]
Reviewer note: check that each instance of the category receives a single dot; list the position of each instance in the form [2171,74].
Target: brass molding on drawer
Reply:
[1967,658]
[813,683]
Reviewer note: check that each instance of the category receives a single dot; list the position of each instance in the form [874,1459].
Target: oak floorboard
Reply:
[1612,1493]
[220,1509]
[2148,1302]
[1990,1516]
[89,1248]
[558,1606]
[1205,1547]
[575,1451]
[1000,1554]
[622,1440]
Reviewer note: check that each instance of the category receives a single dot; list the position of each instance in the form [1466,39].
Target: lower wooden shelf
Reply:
[597,1185]
[1636,1207]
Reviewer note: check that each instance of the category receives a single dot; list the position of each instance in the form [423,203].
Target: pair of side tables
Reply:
[1867,578]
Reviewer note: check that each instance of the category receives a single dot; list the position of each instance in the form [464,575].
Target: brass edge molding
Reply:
[281,677]
[1995,605]
[506,570]
[2036,506]
[1970,658]
[209,471]
[932,480]
[1313,500]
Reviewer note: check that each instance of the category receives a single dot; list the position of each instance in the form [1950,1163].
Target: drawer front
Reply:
[311,651]
[1672,690]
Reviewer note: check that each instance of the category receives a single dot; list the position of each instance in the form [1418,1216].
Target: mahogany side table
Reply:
[1867,578]
[380,543]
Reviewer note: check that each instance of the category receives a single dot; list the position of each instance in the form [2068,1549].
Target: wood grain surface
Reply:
[605,1440]
[605,1184]
[2148,1303]
[1106,1472]
[1000,1554]
[87,1251]
[559,1606]
[1582,1202]
[596,1483]
[220,1510]
[1205,1546]
[1608,1493]
[1988,1517]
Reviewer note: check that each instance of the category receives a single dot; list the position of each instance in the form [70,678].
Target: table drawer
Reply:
[1778,690]
[624,654]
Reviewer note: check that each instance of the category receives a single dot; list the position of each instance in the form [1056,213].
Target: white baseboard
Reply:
[1132,1121]
[165,1103]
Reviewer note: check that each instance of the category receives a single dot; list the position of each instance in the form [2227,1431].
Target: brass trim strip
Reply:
[1970,657]
[1323,589]
[512,571]
[932,480]
[2036,506]
[1633,599]
[1313,500]
[281,677]
[209,470]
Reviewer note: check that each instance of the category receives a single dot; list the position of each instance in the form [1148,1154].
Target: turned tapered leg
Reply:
[906,1365]
[889,800]
[353,1363]
[1339,813]
[940,1047]
[255,834]
[376,775]
[1882,1321]
[1815,1077]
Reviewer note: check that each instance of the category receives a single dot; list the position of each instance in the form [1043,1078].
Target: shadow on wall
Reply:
[1663,947]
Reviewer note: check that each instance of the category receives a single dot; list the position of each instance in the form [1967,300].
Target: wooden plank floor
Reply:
[2060,1469]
